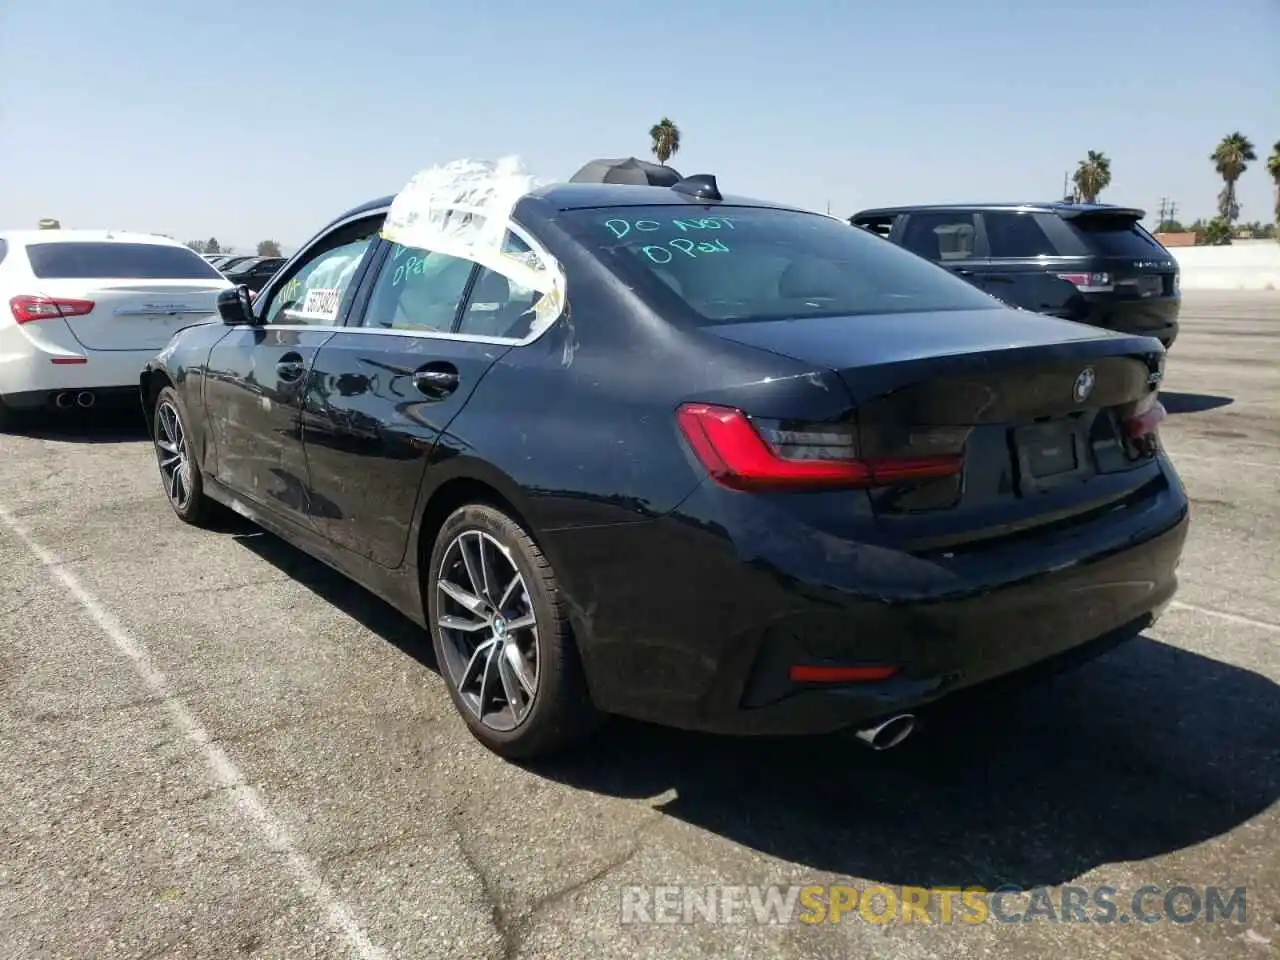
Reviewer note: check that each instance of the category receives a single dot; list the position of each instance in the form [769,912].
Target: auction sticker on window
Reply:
[322,302]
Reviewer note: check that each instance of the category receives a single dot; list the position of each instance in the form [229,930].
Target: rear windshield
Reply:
[1115,237]
[85,260]
[731,264]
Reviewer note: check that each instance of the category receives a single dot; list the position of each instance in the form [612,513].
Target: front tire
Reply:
[501,635]
[179,472]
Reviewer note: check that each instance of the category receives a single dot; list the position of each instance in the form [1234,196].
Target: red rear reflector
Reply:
[26,309]
[69,360]
[738,457]
[804,673]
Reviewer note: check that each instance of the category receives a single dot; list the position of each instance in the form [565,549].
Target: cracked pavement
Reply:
[120,837]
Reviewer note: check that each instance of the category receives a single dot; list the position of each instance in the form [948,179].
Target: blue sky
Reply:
[253,120]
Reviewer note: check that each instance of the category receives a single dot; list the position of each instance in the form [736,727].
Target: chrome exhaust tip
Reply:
[84,399]
[890,733]
[63,400]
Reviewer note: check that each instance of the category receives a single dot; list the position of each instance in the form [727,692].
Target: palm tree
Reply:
[1273,168]
[1230,159]
[666,140]
[1092,176]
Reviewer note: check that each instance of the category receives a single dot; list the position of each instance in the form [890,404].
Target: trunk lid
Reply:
[135,314]
[1036,407]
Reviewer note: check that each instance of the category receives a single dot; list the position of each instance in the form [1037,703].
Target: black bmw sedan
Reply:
[751,472]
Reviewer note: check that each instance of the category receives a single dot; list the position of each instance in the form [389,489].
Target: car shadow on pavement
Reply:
[1193,402]
[1146,750]
[112,425]
[362,606]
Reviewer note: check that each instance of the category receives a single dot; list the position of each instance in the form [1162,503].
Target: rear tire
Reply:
[501,634]
[179,472]
[8,417]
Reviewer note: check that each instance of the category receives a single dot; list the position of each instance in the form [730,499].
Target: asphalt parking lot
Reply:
[212,746]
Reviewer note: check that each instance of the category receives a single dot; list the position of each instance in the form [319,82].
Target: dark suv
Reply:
[1088,262]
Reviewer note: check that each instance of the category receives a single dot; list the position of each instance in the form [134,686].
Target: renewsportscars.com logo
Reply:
[815,904]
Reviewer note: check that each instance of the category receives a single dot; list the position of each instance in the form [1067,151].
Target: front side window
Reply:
[417,290]
[314,294]
[730,264]
[941,236]
[117,260]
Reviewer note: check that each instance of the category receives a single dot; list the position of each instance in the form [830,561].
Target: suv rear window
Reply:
[1115,236]
[730,264]
[97,260]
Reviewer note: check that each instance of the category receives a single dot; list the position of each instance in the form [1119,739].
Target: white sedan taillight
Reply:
[27,309]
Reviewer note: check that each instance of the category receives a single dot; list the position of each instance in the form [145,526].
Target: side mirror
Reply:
[235,306]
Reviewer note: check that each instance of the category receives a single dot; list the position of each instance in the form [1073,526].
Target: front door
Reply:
[950,238]
[389,387]
[260,375]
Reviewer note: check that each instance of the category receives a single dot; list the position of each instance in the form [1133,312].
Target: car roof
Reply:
[82,235]
[1053,206]
[581,196]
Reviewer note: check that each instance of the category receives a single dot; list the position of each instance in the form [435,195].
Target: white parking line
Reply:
[1229,617]
[248,801]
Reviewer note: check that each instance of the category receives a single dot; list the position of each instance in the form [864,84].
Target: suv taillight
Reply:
[798,457]
[1090,282]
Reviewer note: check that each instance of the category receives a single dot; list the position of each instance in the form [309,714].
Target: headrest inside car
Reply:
[810,278]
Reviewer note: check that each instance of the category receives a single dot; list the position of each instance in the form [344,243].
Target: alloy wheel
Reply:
[488,630]
[171,450]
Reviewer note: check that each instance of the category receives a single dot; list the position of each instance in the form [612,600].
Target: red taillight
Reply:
[1089,282]
[27,309]
[806,673]
[737,456]
[1146,423]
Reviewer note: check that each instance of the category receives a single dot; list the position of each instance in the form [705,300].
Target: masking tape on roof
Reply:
[463,209]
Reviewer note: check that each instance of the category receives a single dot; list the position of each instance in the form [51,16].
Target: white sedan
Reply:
[81,311]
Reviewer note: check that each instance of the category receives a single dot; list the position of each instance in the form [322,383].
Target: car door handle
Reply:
[436,379]
[961,272]
[290,367]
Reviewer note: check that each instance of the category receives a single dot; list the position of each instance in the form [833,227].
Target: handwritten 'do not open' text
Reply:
[621,228]
[664,251]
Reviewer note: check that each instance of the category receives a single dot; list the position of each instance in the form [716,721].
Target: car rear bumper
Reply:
[33,401]
[47,360]
[713,647]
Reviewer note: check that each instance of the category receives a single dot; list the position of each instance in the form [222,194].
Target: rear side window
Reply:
[1115,237]
[101,260]
[1012,235]
[731,264]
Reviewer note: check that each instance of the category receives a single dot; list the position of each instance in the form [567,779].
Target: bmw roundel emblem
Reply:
[1084,384]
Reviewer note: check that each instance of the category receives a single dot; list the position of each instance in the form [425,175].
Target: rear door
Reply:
[1024,263]
[387,387]
[138,293]
[950,238]
[1139,267]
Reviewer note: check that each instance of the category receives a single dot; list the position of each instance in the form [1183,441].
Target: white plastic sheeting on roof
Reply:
[463,209]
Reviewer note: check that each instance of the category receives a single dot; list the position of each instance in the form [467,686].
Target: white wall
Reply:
[1244,265]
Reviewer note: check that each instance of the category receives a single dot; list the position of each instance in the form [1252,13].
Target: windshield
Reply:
[732,264]
[117,260]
